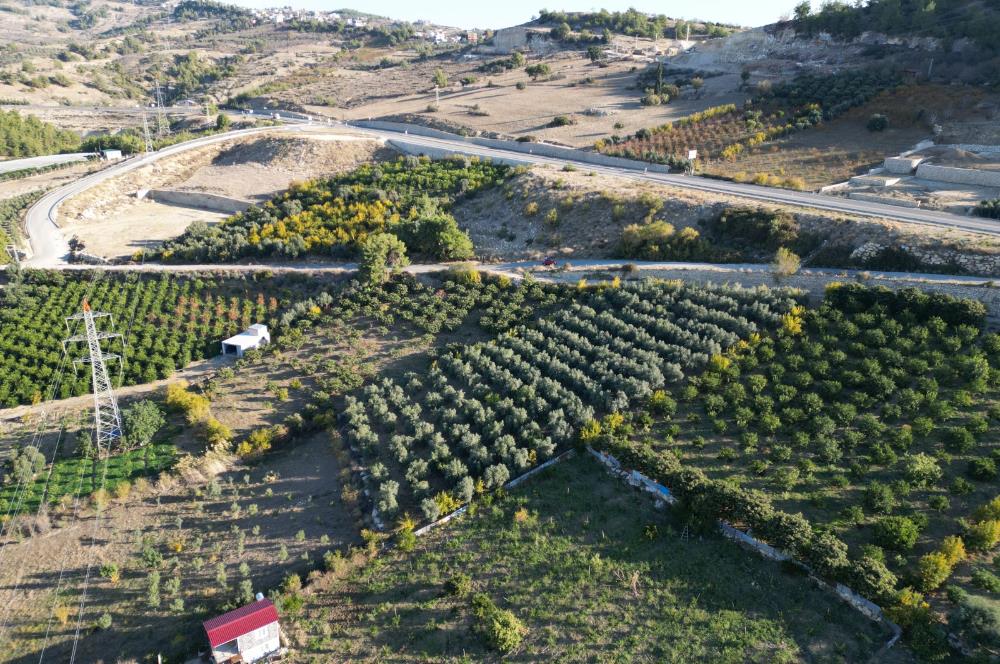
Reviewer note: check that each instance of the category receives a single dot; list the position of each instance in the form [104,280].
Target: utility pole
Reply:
[145,134]
[107,418]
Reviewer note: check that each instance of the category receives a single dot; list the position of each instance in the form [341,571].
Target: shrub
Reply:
[562,121]
[877,122]
[870,577]
[660,403]
[933,570]
[110,572]
[896,532]
[785,262]
[977,620]
[984,470]
[922,629]
[459,585]
[179,399]
[103,621]
[500,628]
[987,580]
[983,536]
[922,470]
[880,498]
[257,442]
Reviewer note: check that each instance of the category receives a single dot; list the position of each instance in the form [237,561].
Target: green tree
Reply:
[27,463]
[141,422]
[381,254]
[538,70]
[595,53]
[802,10]
[878,122]
[785,263]
[440,79]
[561,31]
[222,122]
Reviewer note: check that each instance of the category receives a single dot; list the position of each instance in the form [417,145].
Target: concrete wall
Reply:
[902,165]
[887,200]
[968,176]
[541,149]
[199,200]
[405,147]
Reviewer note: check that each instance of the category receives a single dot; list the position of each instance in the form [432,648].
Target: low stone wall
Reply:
[198,199]
[859,603]
[976,147]
[954,175]
[509,485]
[885,200]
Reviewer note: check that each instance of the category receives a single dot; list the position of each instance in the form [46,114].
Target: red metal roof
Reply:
[228,626]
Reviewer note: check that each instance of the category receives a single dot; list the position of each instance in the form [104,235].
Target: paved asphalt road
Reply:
[49,247]
[41,162]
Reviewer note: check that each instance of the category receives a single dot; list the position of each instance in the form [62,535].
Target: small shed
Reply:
[111,155]
[254,336]
[247,634]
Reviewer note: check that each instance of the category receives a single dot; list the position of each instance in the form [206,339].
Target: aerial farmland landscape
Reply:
[418,332]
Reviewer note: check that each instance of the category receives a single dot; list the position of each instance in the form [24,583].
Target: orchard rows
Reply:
[488,412]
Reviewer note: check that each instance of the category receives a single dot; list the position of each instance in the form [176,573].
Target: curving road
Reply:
[49,247]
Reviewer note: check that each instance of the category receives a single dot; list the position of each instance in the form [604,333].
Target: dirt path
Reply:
[192,373]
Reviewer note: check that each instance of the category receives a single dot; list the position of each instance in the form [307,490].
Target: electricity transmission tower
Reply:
[107,418]
[145,133]
[162,128]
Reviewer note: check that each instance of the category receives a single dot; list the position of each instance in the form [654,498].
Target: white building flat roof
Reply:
[243,340]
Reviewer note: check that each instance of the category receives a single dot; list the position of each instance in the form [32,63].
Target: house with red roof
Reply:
[247,634]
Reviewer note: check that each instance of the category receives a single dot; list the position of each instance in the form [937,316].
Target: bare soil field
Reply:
[494,104]
[578,215]
[260,169]
[112,221]
[137,228]
[48,179]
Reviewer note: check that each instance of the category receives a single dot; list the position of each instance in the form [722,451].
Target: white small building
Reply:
[247,634]
[253,337]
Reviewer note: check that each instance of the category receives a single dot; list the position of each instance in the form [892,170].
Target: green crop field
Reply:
[593,572]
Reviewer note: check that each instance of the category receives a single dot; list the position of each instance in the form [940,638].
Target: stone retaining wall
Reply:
[198,199]
[954,175]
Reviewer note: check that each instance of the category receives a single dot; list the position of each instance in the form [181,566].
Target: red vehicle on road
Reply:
[548,261]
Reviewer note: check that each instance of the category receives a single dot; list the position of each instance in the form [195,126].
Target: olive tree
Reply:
[381,254]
